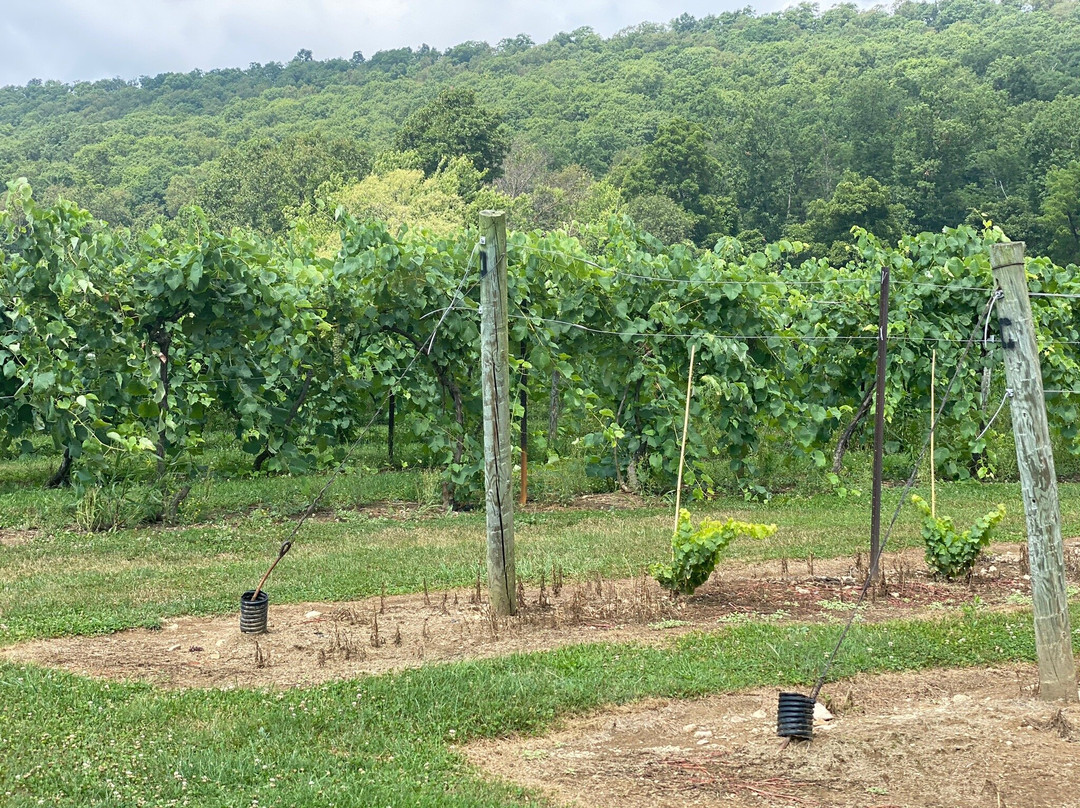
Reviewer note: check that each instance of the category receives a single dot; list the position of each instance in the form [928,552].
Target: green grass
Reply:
[388,740]
[69,582]
[25,503]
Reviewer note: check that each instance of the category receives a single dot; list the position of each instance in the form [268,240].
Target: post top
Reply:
[492,213]
[1007,254]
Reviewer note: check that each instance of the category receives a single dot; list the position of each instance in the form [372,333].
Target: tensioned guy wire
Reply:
[739,337]
[980,329]
[1008,394]
[453,300]
[722,281]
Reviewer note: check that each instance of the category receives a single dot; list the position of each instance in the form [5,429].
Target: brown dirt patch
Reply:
[935,739]
[315,642]
[10,537]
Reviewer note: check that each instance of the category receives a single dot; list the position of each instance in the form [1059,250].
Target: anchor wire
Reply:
[904,493]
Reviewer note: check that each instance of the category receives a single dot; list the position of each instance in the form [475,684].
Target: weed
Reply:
[664,624]
[837,605]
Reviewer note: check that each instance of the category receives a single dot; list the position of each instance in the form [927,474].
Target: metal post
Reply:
[879,422]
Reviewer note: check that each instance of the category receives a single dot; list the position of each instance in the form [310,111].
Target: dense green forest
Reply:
[797,124]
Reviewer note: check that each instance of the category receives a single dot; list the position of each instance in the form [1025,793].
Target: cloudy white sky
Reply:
[73,40]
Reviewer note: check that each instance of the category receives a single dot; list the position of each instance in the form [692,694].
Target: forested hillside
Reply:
[797,124]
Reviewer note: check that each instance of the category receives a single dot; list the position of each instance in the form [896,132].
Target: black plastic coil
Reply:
[253,612]
[795,716]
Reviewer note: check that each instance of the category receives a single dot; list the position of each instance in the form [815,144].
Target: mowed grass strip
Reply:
[389,740]
[61,582]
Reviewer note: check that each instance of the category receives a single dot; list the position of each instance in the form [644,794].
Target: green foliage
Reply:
[662,217]
[126,349]
[264,183]
[1061,213]
[856,202]
[950,552]
[696,550]
[745,120]
[679,166]
[455,125]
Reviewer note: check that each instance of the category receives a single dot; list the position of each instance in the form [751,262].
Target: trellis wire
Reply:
[720,281]
[423,350]
[900,504]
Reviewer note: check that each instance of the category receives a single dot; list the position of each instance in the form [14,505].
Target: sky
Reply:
[86,40]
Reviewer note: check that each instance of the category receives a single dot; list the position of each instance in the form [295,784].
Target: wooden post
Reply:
[1038,479]
[495,380]
[879,422]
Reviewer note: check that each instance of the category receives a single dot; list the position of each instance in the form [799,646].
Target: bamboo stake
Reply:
[685,429]
[879,422]
[523,493]
[933,427]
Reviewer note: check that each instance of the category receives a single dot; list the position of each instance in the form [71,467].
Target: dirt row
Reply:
[934,739]
[315,642]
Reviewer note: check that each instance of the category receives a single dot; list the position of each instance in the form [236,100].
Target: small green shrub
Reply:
[695,550]
[948,551]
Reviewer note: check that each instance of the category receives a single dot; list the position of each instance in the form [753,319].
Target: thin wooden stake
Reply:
[281,554]
[685,429]
[1038,478]
[933,427]
[523,492]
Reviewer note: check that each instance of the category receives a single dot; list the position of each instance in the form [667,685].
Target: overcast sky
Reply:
[73,40]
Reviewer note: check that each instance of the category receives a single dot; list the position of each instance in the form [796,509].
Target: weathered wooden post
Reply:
[495,380]
[1038,479]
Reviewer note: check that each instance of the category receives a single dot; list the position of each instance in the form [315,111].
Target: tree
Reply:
[856,202]
[262,182]
[1061,213]
[456,125]
[662,217]
[679,165]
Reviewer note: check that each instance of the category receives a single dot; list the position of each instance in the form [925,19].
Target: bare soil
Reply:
[315,642]
[934,739]
[11,537]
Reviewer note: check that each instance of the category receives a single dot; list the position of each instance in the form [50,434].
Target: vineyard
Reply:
[122,354]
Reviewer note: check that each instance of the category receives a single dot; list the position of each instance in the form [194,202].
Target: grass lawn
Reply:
[389,740]
[63,581]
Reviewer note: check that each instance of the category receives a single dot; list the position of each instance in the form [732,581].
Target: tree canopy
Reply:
[959,110]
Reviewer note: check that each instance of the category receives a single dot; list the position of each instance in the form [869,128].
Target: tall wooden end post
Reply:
[1038,479]
[495,380]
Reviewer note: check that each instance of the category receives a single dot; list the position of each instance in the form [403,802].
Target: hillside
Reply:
[798,123]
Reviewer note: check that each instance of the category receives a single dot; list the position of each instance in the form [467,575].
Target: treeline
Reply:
[798,124]
[128,352]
